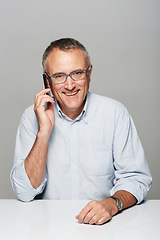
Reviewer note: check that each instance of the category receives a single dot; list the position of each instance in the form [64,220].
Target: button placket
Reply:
[74,161]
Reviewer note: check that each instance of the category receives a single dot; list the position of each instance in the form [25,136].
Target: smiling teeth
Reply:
[71,94]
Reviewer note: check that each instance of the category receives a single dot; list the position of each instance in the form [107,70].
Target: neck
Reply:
[74,113]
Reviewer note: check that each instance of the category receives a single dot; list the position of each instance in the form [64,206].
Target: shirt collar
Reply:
[83,114]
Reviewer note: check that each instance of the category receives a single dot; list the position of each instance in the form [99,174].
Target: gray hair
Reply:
[64,44]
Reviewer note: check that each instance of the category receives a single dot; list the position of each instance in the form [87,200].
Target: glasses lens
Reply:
[59,78]
[78,75]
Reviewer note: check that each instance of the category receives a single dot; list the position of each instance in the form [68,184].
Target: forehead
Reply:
[65,61]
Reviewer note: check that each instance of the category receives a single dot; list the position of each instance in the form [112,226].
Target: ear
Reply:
[90,72]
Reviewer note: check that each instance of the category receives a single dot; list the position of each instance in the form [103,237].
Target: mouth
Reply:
[71,94]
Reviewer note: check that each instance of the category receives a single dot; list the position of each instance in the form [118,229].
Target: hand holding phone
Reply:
[43,108]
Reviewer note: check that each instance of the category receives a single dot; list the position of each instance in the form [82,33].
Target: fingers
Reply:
[45,116]
[42,93]
[95,212]
[85,211]
[41,98]
[96,218]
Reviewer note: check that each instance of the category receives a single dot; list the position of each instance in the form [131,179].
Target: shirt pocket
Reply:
[100,160]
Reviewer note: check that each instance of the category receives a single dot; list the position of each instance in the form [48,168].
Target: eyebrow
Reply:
[60,73]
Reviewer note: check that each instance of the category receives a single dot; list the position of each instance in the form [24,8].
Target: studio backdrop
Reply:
[122,37]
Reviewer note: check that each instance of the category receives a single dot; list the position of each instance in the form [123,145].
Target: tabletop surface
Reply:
[55,219]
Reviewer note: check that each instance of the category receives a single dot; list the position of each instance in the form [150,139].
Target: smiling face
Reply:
[71,94]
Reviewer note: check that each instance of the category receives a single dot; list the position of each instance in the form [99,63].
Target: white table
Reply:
[55,219]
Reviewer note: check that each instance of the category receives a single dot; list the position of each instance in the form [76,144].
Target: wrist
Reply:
[43,135]
[118,202]
[111,205]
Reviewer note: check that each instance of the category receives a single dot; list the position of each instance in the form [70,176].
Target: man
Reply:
[78,145]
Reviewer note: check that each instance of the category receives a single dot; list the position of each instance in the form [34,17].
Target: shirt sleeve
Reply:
[131,169]
[25,139]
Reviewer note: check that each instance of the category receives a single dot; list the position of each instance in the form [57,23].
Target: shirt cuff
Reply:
[137,191]
[22,186]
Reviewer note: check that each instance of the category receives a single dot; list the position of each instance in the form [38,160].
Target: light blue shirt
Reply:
[91,157]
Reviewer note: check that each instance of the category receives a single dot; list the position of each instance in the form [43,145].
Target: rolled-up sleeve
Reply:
[22,186]
[131,169]
[25,139]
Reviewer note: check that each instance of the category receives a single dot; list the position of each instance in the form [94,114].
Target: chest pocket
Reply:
[100,160]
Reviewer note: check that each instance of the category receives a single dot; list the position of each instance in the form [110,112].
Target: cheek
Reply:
[85,84]
[54,89]
[86,87]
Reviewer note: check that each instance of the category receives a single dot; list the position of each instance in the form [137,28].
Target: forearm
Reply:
[35,163]
[126,198]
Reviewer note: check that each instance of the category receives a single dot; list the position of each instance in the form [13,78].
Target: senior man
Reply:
[76,144]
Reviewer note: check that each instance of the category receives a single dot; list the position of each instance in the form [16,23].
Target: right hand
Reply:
[45,117]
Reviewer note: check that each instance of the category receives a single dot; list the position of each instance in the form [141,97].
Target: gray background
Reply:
[123,39]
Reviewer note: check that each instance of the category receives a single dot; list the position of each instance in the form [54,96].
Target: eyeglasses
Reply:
[62,78]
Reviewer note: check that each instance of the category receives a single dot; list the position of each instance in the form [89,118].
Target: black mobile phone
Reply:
[45,84]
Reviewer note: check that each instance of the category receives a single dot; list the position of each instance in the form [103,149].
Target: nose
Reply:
[70,83]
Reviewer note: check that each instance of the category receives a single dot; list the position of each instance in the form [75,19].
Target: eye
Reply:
[78,72]
[58,76]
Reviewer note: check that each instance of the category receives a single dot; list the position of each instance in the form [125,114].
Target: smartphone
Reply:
[46,85]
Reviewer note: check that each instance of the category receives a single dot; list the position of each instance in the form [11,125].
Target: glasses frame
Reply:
[69,75]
